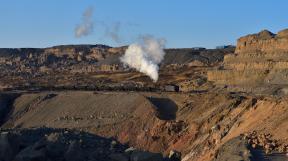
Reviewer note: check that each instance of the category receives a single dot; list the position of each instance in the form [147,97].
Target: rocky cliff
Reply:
[260,60]
[264,41]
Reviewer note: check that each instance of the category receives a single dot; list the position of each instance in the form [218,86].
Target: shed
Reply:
[171,88]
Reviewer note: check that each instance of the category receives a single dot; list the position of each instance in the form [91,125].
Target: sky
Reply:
[183,23]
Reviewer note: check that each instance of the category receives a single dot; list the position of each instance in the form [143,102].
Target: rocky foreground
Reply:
[46,144]
[195,125]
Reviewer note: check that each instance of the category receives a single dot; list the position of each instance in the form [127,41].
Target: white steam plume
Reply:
[86,27]
[145,56]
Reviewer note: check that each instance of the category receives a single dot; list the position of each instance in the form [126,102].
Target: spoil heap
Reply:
[260,61]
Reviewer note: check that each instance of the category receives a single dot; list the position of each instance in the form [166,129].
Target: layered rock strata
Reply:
[260,60]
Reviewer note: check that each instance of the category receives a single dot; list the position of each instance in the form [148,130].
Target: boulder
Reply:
[174,155]
[53,137]
[130,150]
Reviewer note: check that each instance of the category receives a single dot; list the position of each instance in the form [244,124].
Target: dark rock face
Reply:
[6,101]
[184,56]
[145,156]
[8,146]
[43,144]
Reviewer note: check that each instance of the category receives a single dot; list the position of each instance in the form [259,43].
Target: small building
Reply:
[171,88]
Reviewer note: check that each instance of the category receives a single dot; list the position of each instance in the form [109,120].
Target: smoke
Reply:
[113,32]
[145,56]
[86,27]
[108,30]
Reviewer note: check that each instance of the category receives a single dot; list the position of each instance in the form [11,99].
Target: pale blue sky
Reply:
[184,23]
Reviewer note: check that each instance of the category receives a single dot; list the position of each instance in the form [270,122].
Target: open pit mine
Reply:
[80,103]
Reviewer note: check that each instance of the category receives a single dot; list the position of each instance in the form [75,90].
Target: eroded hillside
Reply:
[81,103]
[96,67]
[259,64]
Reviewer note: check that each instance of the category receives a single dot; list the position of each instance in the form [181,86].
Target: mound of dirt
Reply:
[75,110]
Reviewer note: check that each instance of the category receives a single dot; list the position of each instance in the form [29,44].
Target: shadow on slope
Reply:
[165,107]
[41,144]
[6,106]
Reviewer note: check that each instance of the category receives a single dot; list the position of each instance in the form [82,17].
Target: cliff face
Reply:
[264,41]
[260,60]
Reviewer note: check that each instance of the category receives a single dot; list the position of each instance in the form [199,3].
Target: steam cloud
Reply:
[145,56]
[86,27]
[113,32]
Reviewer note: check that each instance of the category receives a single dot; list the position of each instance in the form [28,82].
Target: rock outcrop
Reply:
[260,60]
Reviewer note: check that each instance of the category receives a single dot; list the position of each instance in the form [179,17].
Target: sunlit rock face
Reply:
[264,41]
[260,60]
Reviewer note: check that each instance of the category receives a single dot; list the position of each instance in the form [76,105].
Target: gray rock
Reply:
[174,155]
[145,156]
[113,144]
[130,150]
[53,137]
[215,128]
